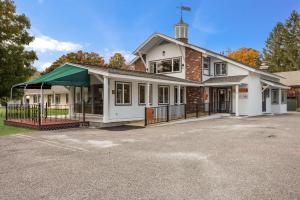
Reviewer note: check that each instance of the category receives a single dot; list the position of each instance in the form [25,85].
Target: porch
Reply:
[101,96]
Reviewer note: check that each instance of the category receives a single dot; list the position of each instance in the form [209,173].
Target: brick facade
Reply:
[194,95]
[138,65]
[193,64]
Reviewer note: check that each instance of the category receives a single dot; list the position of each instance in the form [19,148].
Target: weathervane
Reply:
[183,8]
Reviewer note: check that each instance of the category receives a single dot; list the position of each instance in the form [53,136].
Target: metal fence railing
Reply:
[38,115]
[167,113]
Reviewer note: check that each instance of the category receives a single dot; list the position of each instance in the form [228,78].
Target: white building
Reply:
[57,96]
[170,71]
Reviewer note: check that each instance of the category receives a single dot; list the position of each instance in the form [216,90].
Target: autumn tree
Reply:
[117,61]
[15,61]
[282,52]
[79,57]
[247,56]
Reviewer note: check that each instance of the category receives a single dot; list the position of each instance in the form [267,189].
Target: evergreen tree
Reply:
[282,50]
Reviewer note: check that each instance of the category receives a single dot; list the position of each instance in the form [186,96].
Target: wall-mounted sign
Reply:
[243,89]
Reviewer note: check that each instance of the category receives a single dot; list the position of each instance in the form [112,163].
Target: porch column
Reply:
[71,100]
[280,95]
[147,95]
[105,99]
[178,95]
[237,101]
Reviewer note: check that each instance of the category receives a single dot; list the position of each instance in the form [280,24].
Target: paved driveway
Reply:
[248,158]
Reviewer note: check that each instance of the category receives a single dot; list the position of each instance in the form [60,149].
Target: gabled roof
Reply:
[291,78]
[157,38]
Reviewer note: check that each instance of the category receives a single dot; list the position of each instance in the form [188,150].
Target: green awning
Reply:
[66,75]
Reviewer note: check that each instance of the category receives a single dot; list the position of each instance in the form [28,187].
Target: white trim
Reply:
[144,62]
[208,52]
[274,84]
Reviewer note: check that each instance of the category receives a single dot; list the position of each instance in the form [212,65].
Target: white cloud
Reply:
[44,43]
[45,65]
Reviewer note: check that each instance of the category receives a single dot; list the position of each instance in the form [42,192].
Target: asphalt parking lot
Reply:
[229,158]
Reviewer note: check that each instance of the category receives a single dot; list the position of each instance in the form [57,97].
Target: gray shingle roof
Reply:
[138,74]
[291,78]
[225,79]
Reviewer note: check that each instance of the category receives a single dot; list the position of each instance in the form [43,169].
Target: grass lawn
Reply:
[7,130]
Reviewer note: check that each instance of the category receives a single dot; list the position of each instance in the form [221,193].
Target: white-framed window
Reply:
[35,99]
[206,66]
[220,69]
[57,99]
[275,96]
[152,67]
[142,93]
[283,96]
[123,93]
[166,65]
[181,94]
[163,94]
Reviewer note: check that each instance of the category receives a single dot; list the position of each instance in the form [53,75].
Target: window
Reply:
[181,94]
[67,98]
[206,66]
[164,66]
[142,93]
[275,96]
[153,67]
[163,94]
[176,64]
[35,99]
[168,65]
[123,93]
[57,99]
[283,96]
[220,69]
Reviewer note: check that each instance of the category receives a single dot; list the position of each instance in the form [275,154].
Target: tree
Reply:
[247,56]
[282,52]
[117,61]
[15,61]
[79,57]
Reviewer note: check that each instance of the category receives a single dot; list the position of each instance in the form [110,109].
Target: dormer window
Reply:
[165,66]
[220,69]
[206,66]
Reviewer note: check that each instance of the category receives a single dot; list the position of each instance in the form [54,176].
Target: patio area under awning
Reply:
[66,75]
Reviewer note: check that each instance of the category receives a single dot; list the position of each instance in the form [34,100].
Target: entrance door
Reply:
[222,96]
[220,100]
[264,100]
[97,99]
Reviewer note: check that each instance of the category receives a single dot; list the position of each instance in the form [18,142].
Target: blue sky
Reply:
[108,26]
